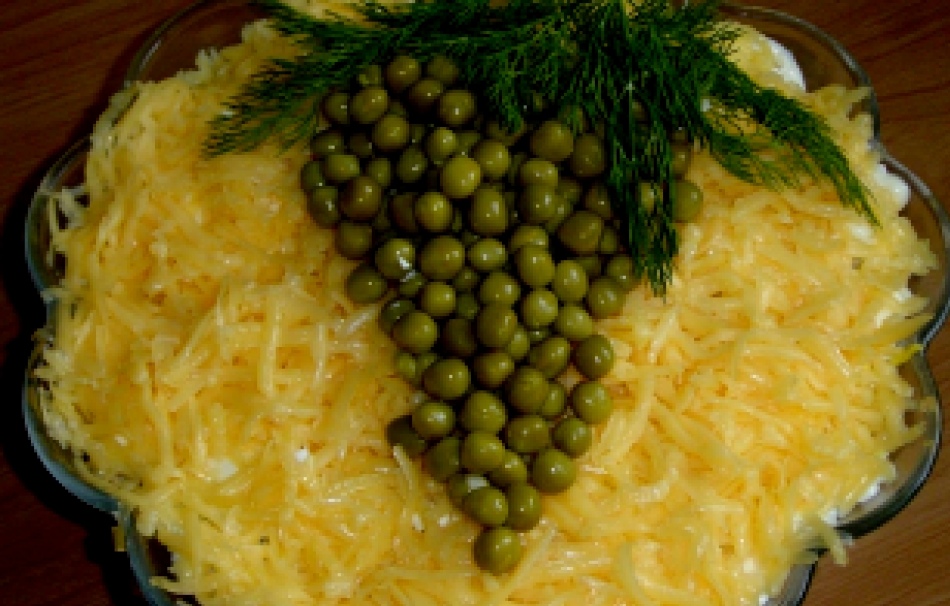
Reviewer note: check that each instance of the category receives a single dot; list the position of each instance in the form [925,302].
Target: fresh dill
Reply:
[642,70]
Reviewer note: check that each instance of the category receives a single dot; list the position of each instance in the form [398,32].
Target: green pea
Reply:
[591,402]
[406,366]
[492,368]
[437,299]
[609,241]
[519,345]
[573,322]
[390,133]
[411,165]
[552,141]
[441,258]
[361,198]
[361,145]
[340,168]
[497,550]
[466,280]
[481,452]
[562,210]
[687,200]
[499,287]
[620,268]
[588,159]
[526,389]
[597,200]
[323,204]
[513,470]
[537,203]
[538,308]
[538,171]
[353,240]
[487,505]
[605,298]
[326,144]
[440,144]
[415,331]
[467,306]
[553,471]
[495,324]
[555,402]
[580,232]
[456,107]
[487,255]
[447,379]
[424,94]
[336,107]
[461,485]
[395,258]
[442,69]
[570,282]
[433,420]
[551,356]
[402,72]
[460,177]
[594,356]
[399,432]
[494,158]
[488,213]
[444,460]
[483,411]
[650,195]
[681,157]
[527,434]
[369,104]
[380,170]
[524,506]
[535,265]
[572,436]
[433,212]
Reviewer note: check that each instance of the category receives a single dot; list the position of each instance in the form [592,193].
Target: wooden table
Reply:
[59,61]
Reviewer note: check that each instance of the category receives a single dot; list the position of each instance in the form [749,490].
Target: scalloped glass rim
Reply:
[214,23]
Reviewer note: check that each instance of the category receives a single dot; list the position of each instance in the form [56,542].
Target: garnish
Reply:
[642,71]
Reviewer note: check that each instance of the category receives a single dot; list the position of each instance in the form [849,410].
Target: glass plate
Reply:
[823,61]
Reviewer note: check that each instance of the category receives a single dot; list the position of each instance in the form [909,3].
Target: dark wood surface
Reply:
[59,61]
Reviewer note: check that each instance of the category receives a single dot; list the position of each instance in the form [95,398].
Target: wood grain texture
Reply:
[60,60]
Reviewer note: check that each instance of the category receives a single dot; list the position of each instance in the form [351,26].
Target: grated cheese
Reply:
[208,371]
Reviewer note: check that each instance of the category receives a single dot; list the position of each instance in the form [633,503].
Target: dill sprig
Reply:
[643,70]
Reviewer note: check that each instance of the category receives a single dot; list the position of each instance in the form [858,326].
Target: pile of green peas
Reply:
[494,254]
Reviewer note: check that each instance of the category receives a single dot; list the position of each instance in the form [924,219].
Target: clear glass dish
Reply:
[216,23]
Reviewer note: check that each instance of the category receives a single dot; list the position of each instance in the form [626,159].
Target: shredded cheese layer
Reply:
[208,371]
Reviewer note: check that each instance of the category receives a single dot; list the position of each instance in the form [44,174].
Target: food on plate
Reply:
[412,360]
